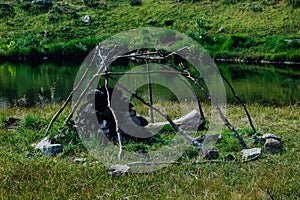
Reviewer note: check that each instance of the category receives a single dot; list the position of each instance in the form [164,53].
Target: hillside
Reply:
[251,30]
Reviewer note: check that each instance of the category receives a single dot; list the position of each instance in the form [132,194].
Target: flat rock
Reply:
[269,136]
[52,149]
[273,146]
[209,138]
[46,141]
[251,153]
[80,160]
[47,147]
[119,169]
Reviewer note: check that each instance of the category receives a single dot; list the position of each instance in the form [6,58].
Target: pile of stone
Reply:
[272,144]
[97,107]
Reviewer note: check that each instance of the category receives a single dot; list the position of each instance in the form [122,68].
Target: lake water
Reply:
[268,85]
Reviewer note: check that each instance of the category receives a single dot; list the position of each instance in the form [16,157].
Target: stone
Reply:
[52,149]
[46,141]
[86,19]
[209,138]
[255,139]
[222,29]
[269,136]
[80,160]
[251,153]
[211,154]
[47,147]
[119,170]
[229,157]
[273,146]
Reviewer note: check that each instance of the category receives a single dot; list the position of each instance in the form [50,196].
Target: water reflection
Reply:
[44,83]
[51,83]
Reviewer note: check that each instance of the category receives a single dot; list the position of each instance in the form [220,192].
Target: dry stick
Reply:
[270,194]
[189,86]
[70,95]
[89,83]
[216,106]
[174,162]
[120,139]
[240,101]
[205,151]
[150,92]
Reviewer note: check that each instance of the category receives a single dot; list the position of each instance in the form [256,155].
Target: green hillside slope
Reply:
[244,29]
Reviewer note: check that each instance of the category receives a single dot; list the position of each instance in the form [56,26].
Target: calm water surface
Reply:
[268,85]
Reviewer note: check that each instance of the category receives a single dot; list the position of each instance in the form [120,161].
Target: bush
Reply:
[293,3]
[238,41]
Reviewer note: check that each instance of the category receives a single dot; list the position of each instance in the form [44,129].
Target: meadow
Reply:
[27,174]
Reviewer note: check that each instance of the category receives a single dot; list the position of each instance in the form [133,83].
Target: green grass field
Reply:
[43,177]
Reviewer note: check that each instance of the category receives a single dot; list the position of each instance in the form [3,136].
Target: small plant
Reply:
[31,122]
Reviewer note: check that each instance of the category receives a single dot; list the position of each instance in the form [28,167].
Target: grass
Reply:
[59,177]
[263,24]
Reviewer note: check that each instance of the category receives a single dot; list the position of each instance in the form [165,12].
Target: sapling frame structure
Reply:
[98,65]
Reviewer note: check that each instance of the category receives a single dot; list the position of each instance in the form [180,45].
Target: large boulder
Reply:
[273,146]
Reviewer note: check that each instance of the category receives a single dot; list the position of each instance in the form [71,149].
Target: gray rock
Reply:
[222,29]
[118,169]
[209,138]
[251,153]
[47,147]
[52,149]
[229,157]
[46,141]
[86,19]
[255,139]
[269,136]
[80,160]
[211,154]
[273,146]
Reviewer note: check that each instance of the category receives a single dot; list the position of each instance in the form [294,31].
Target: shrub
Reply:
[238,41]
[293,3]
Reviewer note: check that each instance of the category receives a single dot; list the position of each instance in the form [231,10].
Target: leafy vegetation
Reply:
[26,174]
[262,29]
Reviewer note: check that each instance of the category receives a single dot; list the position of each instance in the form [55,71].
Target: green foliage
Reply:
[237,42]
[27,171]
[32,122]
[293,3]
